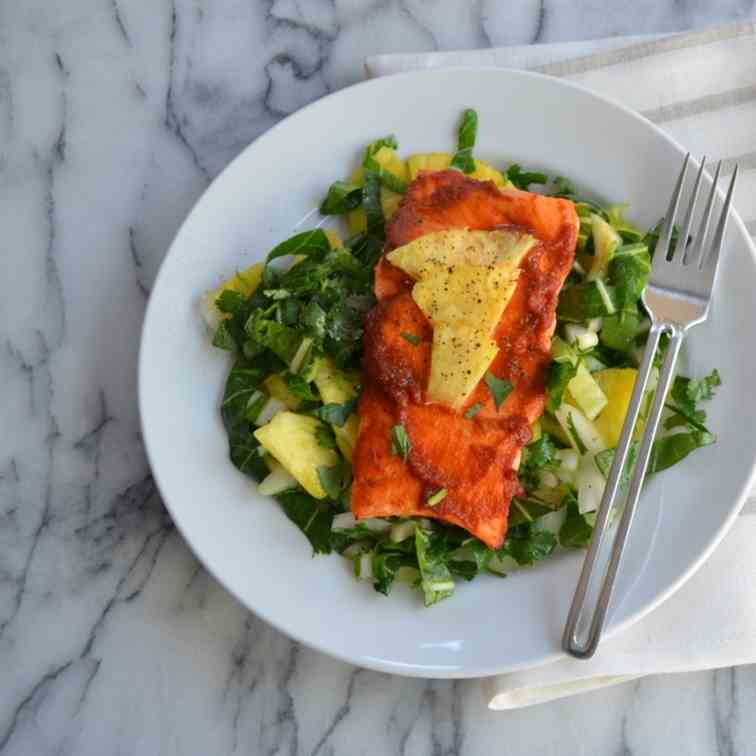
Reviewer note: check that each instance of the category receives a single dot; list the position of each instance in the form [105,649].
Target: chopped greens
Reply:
[500,389]
[468,130]
[436,498]
[400,442]
[341,198]
[523,179]
[414,340]
[296,346]
[473,410]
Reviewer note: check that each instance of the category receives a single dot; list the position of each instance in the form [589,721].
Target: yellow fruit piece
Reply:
[440,161]
[346,436]
[427,161]
[617,385]
[276,386]
[245,282]
[485,172]
[335,386]
[334,239]
[464,282]
[290,438]
[338,387]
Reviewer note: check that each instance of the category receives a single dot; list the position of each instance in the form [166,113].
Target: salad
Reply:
[294,325]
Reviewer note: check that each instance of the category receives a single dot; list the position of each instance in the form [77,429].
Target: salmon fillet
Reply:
[474,459]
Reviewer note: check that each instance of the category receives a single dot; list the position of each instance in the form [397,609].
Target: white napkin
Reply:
[702,87]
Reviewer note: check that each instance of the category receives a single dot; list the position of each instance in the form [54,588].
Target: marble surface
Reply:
[114,116]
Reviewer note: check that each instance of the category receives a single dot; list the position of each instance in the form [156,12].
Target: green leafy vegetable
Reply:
[563,187]
[325,438]
[435,578]
[687,392]
[584,301]
[300,386]
[400,442]
[312,243]
[523,179]
[414,340]
[230,302]
[528,545]
[670,450]
[335,479]
[527,510]
[500,388]
[619,331]
[388,179]
[372,203]
[336,414]
[223,338]
[468,129]
[313,517]
[560,374]
[576,531]
[341,198]
[537,456]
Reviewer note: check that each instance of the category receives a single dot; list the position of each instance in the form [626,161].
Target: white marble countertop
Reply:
[114,116]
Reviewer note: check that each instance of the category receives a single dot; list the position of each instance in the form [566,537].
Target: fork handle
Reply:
[570,642]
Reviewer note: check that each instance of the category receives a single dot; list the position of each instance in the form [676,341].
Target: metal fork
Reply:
[677,298]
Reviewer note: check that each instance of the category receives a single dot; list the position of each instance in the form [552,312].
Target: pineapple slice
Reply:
[338,387]
[465,280]
[290,438]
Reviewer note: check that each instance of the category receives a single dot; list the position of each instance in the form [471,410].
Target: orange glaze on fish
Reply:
[474,459]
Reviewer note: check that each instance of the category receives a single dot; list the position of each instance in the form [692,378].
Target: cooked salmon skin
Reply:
[472,456]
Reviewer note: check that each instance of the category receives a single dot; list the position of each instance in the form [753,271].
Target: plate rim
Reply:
[366,661]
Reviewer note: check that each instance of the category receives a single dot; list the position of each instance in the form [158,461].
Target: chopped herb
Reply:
[414,340]
[336,414]
[400,442]
[437,497]
[500,388]
[472,411]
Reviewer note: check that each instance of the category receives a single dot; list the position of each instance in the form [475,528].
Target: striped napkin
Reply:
[701,88]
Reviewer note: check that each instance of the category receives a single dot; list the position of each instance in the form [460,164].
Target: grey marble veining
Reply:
[114,116]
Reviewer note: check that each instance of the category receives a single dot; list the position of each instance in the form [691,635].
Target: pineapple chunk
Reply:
[617,385]
[244,282]
[290,438]
[338,387]
[465,280]
[427,161]
[276,386]
[391,162]
[334,239]
[440,161]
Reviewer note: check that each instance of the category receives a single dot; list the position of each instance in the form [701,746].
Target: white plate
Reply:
[245,540]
